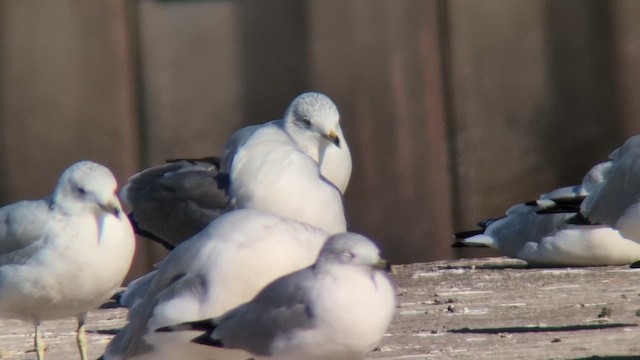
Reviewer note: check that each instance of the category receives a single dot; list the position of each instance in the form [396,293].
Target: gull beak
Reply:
[383,265]
[333,138]
[112,206]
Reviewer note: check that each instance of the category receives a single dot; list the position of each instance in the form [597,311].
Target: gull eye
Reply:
[347,254]
[81,191]
[306,121]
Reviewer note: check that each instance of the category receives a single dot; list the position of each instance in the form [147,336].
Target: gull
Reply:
[221,267]
[172,202]
[66,254]
[337,309]
[616,200]
[551,232]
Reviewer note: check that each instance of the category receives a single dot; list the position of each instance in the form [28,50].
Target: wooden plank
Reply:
[493,308]
[380,61]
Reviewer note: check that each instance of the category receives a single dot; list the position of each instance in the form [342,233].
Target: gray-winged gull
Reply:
[616,200]
[549,231]
[221,267]
[337,309]
[176,200]
[66,254]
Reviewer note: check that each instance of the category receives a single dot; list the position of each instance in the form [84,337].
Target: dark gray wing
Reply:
[176,200]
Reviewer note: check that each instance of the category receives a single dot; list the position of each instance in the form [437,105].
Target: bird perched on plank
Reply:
[337,309]
[66,254]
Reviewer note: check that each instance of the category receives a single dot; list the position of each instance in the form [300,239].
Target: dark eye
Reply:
[81,191]
[306,121]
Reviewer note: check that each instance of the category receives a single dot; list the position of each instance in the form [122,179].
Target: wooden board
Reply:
[492,308]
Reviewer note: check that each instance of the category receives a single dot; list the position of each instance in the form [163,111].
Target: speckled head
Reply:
[86,183]
[315,112]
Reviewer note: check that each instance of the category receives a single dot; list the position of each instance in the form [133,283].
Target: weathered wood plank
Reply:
[493,308]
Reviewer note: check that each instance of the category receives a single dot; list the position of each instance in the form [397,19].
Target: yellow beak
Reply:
[112,207]
[333,137]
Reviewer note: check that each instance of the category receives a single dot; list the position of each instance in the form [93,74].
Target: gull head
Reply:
[314,114]
[86,185]
[351,249]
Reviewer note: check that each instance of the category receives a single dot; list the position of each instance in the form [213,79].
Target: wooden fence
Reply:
[453,109]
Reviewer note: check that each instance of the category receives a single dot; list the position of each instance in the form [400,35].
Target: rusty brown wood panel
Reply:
[67,92]
[626,52]
[381,61]
[211,67]
[534,98]
[190,77]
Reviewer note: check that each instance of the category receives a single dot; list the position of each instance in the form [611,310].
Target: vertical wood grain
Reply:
[372,57]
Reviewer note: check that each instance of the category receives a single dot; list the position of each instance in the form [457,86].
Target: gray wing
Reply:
[165,284]
[237,139]
[278,310]
[523,225]
[22,230]
[176,200]
[620,188]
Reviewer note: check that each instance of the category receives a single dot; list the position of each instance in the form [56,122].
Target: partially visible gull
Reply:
[552,232]
[337,309]
[174,201]
[66,254]
[616,200]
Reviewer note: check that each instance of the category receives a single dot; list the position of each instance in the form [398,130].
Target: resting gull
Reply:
[221,267]
[174,201]
[337,309]
[551,232]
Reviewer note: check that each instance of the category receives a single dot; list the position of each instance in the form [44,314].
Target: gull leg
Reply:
[82,337]
[38,342]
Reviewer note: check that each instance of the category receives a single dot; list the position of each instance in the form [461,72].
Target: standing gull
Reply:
[221,267]
[66,254]
[176,200]
[337,309]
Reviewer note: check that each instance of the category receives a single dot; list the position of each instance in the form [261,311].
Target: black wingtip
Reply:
[207,340]
[467,234]
[209,159]
[165,329]
[461,244]
[568,206]
[201,325]
[579,219]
